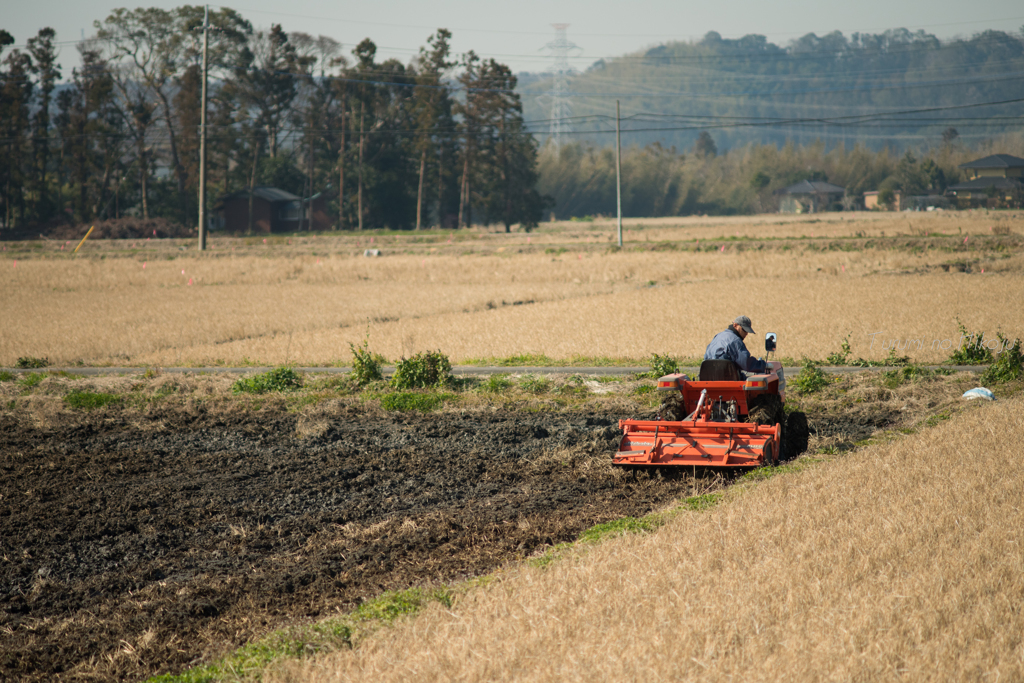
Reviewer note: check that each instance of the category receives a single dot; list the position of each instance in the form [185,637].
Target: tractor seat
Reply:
[719,371]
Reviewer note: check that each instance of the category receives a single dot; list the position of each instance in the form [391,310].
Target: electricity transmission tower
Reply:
[561,109]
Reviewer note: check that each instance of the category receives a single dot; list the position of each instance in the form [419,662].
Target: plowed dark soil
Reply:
[133,545]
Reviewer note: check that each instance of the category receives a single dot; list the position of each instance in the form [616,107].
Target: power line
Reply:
[704,122]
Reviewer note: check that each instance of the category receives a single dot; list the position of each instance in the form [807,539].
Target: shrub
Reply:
[971,353]
[409,400]
[810,379]
[496,383]
[842,356]
[427,369]
[278,379]
[87,400]
[660,366]
[31,362]
[366,366]
[1007,365]
[6,376]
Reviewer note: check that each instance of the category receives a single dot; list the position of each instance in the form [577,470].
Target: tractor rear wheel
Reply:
[767,410]
[797,433]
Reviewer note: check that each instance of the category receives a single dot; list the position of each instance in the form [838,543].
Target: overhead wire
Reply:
[708,122]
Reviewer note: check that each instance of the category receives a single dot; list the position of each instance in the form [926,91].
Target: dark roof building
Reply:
[999,162]
[813,187]
[273,210]
[808,196]
[996,181]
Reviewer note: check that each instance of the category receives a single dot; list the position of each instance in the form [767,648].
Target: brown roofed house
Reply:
[809,196]
[997,181]
[274,210]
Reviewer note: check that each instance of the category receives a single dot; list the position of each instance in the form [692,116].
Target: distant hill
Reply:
[829,87]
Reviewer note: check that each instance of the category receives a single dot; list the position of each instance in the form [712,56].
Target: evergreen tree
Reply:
[312,111]
[705,145]
[91,136]
[264,84]
[385,194]
[507,175]
[434,121]
[469,110]
[46,71]
[15,100]
[265,81]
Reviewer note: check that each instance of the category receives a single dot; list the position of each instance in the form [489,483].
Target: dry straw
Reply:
[306,308]
[901,561]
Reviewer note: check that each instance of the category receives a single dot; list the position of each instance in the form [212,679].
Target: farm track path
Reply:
[466,370]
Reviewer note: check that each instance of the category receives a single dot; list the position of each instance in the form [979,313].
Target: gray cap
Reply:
[744,322]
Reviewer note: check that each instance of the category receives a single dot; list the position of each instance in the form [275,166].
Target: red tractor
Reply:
[721,419]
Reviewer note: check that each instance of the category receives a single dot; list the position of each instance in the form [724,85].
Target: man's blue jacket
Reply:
[728,345]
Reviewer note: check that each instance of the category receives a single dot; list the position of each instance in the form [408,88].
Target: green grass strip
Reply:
[89,400]
[250,660]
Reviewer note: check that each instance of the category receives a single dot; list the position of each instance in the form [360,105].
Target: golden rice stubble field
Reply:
[901,561]
[305,302]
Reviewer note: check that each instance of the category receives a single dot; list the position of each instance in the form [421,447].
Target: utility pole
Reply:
[202,137]
[618,172]
[359,194]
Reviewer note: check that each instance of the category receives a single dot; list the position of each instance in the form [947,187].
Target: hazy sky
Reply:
[515,32]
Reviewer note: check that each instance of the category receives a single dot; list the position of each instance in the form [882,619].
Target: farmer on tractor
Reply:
[728,345]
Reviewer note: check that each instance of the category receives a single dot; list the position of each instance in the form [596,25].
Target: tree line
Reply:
[831,87]
[439,141]
[662,181]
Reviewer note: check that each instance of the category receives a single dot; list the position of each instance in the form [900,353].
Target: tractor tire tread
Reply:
[768,410]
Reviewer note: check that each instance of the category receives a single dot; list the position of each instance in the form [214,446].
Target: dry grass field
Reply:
[901,561]
[560,291]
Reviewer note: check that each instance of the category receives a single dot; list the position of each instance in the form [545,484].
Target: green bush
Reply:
[660,366]
[1007,365]
[87,400]
[366,366]
[31,362]
[842,356]
[278,379]
[405,401]
[427,369]
[496,384]
[810,379]
[6,376]
[971,353]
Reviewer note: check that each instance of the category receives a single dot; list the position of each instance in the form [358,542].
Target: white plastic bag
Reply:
[979,392]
